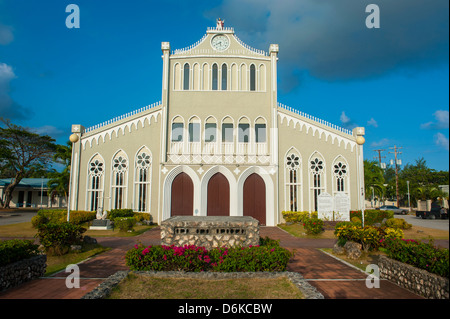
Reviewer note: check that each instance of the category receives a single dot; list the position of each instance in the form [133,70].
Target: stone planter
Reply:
[417,280]
[22,271]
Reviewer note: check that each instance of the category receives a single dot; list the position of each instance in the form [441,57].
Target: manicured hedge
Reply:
[15,250]
[418,254]
[372,216]
[56,238]
[60,216]
[267,257]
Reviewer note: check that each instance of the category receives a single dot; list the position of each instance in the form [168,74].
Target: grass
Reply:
[362,262]
[415,232]
[137,286]
[58,263]
[26,230]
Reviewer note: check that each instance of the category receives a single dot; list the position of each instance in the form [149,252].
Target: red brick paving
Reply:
[331,277]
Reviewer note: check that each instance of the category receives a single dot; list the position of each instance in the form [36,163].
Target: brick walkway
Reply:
[334,279]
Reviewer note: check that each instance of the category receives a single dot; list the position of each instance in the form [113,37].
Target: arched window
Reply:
[186,76]
[215,77]
[224,77]
[252,77]
[95,183]
[317,181]
[142,180]
[340,174]
[293,165]
[119,180]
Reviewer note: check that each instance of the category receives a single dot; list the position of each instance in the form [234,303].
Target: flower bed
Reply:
[267,257]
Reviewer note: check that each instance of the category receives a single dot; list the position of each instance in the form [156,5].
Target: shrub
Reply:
[398,223]
[15,250]
[295,217]
[116,213]
[124,224]
[270,257]
[57,238]
[418,254]
[313,226]
[373,216]
[60,216]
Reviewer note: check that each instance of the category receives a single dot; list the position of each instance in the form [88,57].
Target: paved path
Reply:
[330,276]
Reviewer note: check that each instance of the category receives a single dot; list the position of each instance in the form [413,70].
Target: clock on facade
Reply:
[220,42]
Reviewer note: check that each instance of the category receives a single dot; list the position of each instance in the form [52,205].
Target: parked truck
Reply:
[437,211]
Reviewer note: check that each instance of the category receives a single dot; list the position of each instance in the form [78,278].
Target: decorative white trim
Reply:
[115,129]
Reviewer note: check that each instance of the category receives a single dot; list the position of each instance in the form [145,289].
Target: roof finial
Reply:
[220,23]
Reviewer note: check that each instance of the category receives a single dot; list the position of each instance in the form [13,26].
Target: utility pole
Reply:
[396,152]
[379,156]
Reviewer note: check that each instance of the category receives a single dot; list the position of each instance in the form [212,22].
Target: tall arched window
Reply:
[119,180]
[142,180]
[215,77]
[340,174]
[252,77]
[317,180]
[186,76]
[224,77]
[95,183]
[293,180]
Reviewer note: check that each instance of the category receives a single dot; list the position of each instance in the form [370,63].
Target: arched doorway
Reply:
[218,196]
[254,198]
[182,199]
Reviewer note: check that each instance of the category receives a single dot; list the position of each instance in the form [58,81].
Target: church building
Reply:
[219,143]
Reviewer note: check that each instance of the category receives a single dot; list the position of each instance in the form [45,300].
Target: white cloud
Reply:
[372,122]
[346,121]
[8,107]
[344,118]
[442,118]
[441,140]
[48,130]
[380,143]
[6,35]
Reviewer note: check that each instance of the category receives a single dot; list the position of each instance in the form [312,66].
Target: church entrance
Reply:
[218,196]
[255,198]
[182,200]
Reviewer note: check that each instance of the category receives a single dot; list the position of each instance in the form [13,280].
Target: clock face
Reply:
[220,42]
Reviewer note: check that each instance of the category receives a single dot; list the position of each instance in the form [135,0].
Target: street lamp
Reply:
[73,138]
[42,188]
[360,140]
[409,199]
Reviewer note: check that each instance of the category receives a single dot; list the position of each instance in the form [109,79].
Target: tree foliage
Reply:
[22,154]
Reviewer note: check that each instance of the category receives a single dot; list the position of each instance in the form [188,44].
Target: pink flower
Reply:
[145,251]
[165,257]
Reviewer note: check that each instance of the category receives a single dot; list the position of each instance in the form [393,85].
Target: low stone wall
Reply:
[210,231]
[417,280]
[19,272]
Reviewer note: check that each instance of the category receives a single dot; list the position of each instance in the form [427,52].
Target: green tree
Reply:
[58,183]
[23,153]
[373,178]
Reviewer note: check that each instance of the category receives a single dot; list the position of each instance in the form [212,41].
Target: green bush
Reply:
[124,224]
[60,216]
[116,213]
[15,250]
[313,226]
[418,254]
[398,223]
[372,216]
[269,257]
[56,238]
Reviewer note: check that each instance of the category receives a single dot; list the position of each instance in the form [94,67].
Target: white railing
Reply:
[222,29]
[189,48]
[316,119]
[121,117]
[261,148]
[249,48]
[195,147]
[228,147]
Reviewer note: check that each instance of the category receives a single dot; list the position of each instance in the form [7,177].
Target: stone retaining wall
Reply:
[210,231]
[417,280]
[19,272]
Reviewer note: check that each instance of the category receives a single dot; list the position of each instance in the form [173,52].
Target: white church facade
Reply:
[217,144]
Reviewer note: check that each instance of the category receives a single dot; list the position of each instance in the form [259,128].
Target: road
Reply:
[16,216]
[441,224]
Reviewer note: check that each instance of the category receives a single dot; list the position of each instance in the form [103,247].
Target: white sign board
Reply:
[325,206]
[341,207]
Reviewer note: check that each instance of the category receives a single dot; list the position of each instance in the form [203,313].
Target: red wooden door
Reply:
[182,202]
[255,198]
[218,196]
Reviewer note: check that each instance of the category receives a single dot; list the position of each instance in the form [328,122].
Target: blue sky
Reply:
[392,80]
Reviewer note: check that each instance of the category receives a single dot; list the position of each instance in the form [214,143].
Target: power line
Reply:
[396,152]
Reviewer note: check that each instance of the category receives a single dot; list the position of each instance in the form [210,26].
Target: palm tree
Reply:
[373,178]
[59,181]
